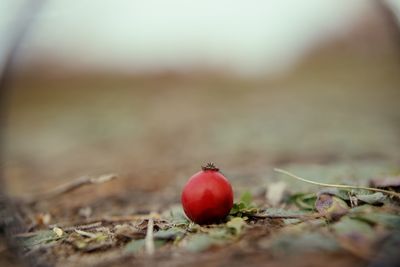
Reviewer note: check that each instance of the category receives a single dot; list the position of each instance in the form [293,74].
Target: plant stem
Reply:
[338,185]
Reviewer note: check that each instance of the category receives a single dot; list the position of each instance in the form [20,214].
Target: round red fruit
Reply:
[207,197]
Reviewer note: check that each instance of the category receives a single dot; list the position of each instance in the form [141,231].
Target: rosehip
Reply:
[207,197]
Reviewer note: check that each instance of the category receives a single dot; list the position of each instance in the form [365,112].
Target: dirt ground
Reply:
[334,120]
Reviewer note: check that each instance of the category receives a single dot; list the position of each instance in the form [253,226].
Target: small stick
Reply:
[97,222]
[86,234]
[149,240]
[124,218]
[71,186]
[338,185]
[299,216]
[87,226]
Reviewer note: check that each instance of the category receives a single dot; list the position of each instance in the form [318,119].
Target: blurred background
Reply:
[153,89]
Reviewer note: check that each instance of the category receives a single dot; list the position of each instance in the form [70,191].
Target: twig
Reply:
[79,227]
[125,218]
[274,216]
[97,222]
[84,233]
[338,185]
[71,186]
[149,240]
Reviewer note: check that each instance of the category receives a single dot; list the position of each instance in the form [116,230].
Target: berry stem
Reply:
[210,167]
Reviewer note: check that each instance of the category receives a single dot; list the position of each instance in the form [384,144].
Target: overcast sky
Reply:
[246,36]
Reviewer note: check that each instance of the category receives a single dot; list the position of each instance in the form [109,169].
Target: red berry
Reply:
[207,197]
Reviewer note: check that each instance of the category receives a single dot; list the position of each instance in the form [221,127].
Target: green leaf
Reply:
[373,199]
[241,211]
[276,212]
[386,219]
[201,242]
[243,206]
[38,238]
[300,242]
[135,246]
[176,215]
[88,241]
[246,198]
[375,215]
[343,194]
[220,233]
[236,224]
[349,226]
[237,207]
[291,221]
[356,234]
[169,234]
[303,201]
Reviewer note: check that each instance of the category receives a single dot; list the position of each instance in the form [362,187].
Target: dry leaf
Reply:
[386,182]
[331,207]
[275,193]
[43,219]
[236,224]
[85,212]
[59,232]
[128,231]
[356,236]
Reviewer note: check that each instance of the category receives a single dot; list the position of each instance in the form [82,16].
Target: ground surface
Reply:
[333,122]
